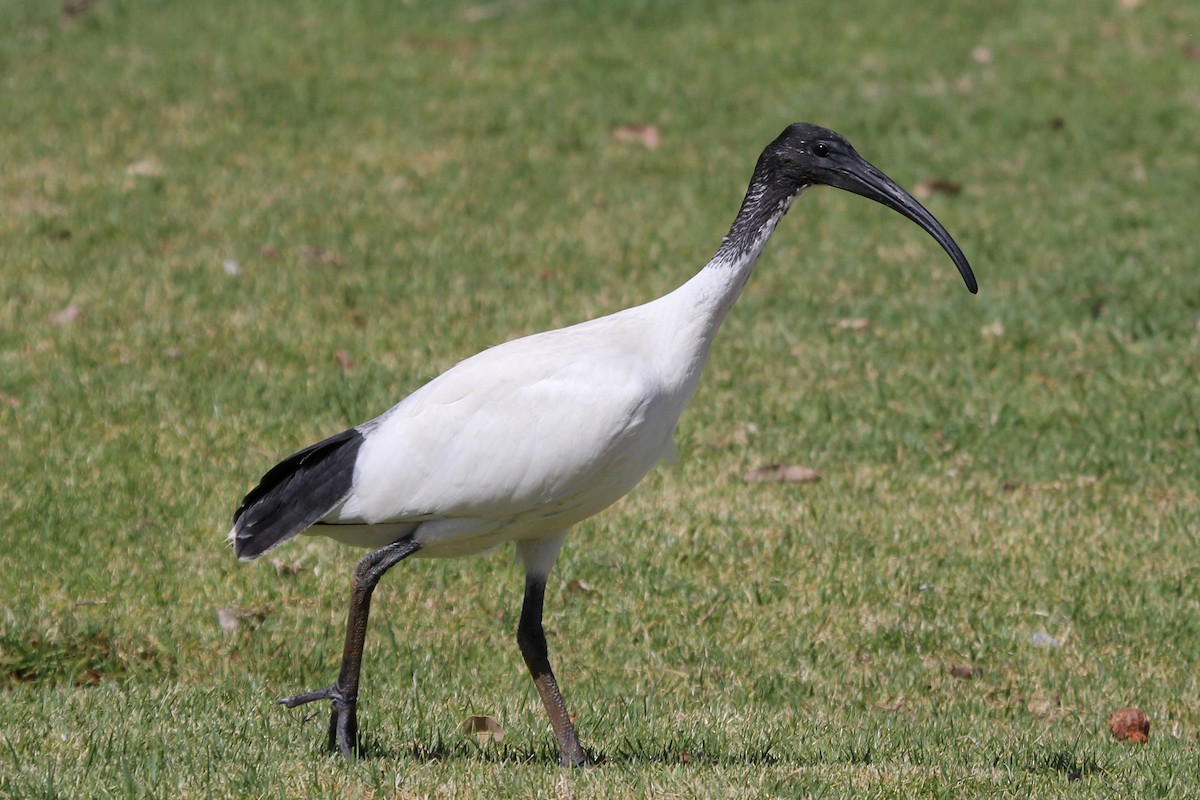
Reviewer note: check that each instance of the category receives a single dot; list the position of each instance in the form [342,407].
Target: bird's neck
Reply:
[691,315]
[708,297]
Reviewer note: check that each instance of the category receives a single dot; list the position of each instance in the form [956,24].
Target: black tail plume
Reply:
[294,494]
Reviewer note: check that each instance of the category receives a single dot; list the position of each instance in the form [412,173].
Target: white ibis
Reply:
[530,437]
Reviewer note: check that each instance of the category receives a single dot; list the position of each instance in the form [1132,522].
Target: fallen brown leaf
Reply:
[487,11]
[66,316]
[74,8]
[782,473]
[326,258]
[230,618]
[582,587]
[146,168]
[1129,725]
[852,324]
[962,671]
[483,728]
[479,13]
[1044,705]
[931,186]
[646,135]
[992,330]
[344,359]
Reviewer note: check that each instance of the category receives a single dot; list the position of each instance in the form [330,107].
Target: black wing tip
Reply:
[294,494]
[245,550]
[245,545]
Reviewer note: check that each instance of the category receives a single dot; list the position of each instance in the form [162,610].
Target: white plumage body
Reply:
[525,439]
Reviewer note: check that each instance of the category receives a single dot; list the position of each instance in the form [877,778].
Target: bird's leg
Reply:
[343,694]
[532,640]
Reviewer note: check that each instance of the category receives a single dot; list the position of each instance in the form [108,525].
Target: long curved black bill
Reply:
[858,175]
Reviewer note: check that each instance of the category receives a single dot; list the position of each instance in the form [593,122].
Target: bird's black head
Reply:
[807,155]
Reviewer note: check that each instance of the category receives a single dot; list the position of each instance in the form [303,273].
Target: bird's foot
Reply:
[343,719]
[571,754]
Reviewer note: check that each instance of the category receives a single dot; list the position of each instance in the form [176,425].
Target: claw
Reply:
[343,719]
[328,693]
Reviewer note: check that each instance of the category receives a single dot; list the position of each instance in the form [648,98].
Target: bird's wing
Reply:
[543,423]
[294,494]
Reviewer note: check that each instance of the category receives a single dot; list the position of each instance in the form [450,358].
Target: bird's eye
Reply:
[820,150]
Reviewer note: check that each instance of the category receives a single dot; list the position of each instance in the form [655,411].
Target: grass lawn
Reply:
[231,229]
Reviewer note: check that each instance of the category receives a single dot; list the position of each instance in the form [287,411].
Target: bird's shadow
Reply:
[441,750]
[680,754]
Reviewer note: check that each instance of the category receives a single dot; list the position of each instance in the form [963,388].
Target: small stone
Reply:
[1130,725]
